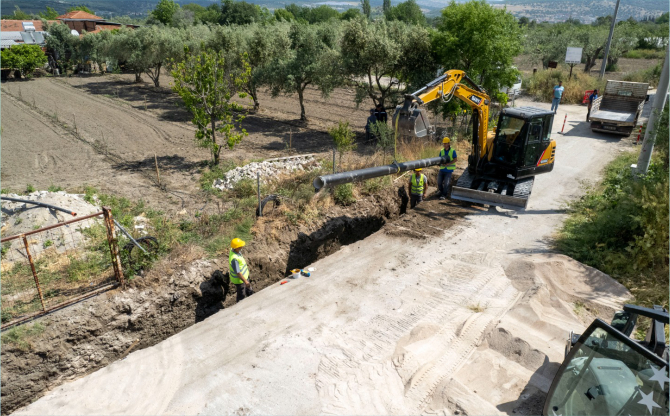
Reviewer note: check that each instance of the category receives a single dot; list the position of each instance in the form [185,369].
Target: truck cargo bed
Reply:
[614,116]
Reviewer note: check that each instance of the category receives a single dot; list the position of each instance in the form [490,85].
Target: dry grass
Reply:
[542,84]
[181,254]
[476,308]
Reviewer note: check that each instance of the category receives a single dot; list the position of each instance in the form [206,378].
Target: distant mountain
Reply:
[541,10]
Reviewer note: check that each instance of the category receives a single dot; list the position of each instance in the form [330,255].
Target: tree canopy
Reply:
[480,40]
[207,83]
[380,57]
[25,58]
[164,11]
[311,59]
[408,12]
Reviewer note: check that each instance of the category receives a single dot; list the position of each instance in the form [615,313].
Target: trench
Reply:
[102,330]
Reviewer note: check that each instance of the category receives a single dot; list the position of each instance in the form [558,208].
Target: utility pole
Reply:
[609,40]
[650,134]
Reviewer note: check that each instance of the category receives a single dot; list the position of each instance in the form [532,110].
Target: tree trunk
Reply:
[158,76]
[216,149]
[254,96]
[138,77]
[303,117]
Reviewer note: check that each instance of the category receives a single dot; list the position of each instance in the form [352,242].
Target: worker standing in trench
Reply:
[418,184]
[444,176]
[239,272]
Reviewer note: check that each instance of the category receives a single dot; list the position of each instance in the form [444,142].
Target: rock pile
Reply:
[267,169]
[20,217]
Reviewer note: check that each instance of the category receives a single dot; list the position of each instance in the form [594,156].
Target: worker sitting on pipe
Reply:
[418,185]
[239,272]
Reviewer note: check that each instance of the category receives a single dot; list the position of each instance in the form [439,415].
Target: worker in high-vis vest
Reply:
[418,184]
[238,270]
[446,170]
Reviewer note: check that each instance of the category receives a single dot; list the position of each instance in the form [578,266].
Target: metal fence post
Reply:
[113,246]
[258,189]
[32,266]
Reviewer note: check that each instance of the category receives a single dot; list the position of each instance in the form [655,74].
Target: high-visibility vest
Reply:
[243,268]
[448,166]
[418,184]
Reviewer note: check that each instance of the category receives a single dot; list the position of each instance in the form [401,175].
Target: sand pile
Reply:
[19,218]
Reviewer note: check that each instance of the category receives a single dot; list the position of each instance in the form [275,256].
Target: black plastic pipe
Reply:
[41,204]
[377,171]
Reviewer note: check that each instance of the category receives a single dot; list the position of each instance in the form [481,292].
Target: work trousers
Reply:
[443,181]
[588,112]
[243,291]
[415,200]
[554,104]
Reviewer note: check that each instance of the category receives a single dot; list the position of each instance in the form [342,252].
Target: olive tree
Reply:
[158,45]
[311,58]
[261,44]
[380,58]
[61,45]
[206,83]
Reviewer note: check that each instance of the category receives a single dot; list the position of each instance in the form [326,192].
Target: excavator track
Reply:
[479,190]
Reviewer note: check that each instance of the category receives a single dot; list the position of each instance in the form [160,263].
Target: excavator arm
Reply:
[412,120]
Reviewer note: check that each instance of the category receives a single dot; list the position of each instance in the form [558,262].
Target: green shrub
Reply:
[621,228]
[30,189]
[542,84]
[53,188]
[5,248]
[19,336]
[651,75]
[244,188]
[344,194]
[47,243]
[645,54]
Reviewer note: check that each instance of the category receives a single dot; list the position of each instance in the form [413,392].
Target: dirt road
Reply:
[471,321]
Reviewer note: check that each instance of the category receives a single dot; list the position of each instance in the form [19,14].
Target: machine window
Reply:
[607,377]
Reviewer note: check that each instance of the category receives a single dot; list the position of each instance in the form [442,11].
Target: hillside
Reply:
[541,10]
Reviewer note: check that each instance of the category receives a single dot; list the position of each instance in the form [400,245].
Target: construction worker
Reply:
[446,170]
[592,97]
[380,113]
[368,125]
[418,184]
[239,272]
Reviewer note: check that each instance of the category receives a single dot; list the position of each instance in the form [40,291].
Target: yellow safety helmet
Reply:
[446,140]
[418,170]
[237,243]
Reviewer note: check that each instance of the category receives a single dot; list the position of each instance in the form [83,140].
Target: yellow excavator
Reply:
[504,162]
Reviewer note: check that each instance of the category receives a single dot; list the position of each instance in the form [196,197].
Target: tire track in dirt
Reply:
[132,136]
[111,165]
[133,114]
[417,368]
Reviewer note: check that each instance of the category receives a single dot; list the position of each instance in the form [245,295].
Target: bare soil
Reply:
[104,131]
[184,289]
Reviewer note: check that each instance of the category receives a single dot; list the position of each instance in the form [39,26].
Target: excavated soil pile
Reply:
[184,289]
[21,217]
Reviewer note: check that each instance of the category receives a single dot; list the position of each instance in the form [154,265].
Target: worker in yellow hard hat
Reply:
[418,184]
[238,270]
[446,169]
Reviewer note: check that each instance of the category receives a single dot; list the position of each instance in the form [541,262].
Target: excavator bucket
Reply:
[412,122]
